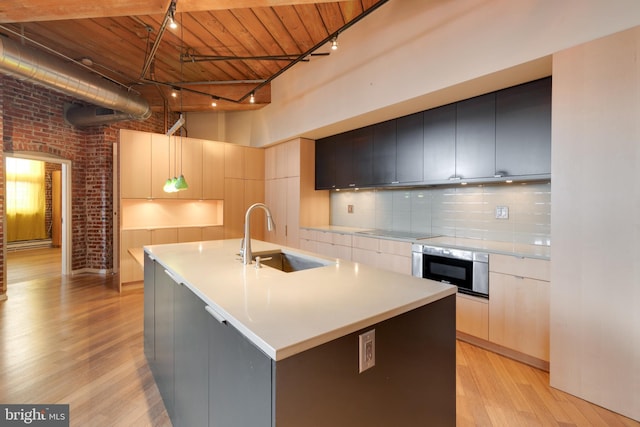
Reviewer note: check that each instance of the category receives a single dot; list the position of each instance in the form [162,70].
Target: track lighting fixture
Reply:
[252,98]
[214,101]
[174,92]
[334,43]
[172,16]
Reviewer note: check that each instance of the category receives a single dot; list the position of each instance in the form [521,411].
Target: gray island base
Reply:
[214,365]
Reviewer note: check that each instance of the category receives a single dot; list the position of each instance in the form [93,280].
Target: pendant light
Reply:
[181,183]
[168,185]
[175,184]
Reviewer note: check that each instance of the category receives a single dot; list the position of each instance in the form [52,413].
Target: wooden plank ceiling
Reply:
[222,49]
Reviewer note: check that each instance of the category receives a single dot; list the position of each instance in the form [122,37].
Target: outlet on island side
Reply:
[367,350]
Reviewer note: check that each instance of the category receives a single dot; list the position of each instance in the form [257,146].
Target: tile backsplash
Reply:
[462,211]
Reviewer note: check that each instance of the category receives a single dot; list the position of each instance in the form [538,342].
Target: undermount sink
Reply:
[288,262]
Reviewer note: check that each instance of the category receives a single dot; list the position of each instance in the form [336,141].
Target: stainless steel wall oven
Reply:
[468,270]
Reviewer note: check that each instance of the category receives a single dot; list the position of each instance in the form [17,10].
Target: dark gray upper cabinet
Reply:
[343,156]
[476,137]
[440,143]
[345,160]
[384,152]
[500,134]
[362,151]
[523,129]
[325,163]
[409,149]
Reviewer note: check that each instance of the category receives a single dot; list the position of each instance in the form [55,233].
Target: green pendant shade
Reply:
[175,184]
[181,183]
[167,186]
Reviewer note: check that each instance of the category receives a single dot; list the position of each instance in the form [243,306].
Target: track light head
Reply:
[172,16]
[252,98]
[334,43]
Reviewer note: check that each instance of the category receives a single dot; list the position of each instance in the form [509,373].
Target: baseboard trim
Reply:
[102,272]
[504,351]
[29,244]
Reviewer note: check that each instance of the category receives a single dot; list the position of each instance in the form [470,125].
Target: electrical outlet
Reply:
[349,208]
[502,212]
[367,350]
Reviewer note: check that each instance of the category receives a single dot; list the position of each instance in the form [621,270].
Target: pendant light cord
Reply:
[181,79]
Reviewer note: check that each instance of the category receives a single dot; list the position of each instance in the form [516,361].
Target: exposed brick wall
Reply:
[31,120]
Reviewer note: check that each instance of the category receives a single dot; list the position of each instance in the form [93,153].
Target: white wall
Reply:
[595,222]
[210,126]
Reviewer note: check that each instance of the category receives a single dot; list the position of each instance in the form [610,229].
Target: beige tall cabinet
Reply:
[146,214]
[290,191]
[243,186]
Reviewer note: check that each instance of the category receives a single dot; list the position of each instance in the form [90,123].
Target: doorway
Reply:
[62,234]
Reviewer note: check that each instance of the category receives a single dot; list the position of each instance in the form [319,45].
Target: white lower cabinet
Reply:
[393,255]
[335,245]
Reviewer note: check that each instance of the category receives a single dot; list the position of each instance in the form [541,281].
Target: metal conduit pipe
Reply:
[31,65]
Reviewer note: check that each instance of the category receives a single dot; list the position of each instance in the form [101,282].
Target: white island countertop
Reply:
[286,313]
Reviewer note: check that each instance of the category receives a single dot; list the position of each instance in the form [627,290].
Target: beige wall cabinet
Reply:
[146,161]
[290,191]
[163,165]
[189,152]
[212,170]
[519,304]
[135,164]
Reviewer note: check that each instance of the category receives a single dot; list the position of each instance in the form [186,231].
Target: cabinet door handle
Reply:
[219,317]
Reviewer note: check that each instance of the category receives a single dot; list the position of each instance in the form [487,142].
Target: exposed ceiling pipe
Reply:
[34,66]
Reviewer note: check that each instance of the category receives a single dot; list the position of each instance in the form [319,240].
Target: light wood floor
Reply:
[76,341]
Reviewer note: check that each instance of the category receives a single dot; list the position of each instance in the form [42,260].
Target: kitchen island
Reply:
[233,345]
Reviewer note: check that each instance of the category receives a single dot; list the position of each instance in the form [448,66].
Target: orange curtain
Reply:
[25,203]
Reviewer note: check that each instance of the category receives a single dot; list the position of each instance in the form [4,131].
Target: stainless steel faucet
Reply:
[245,246]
